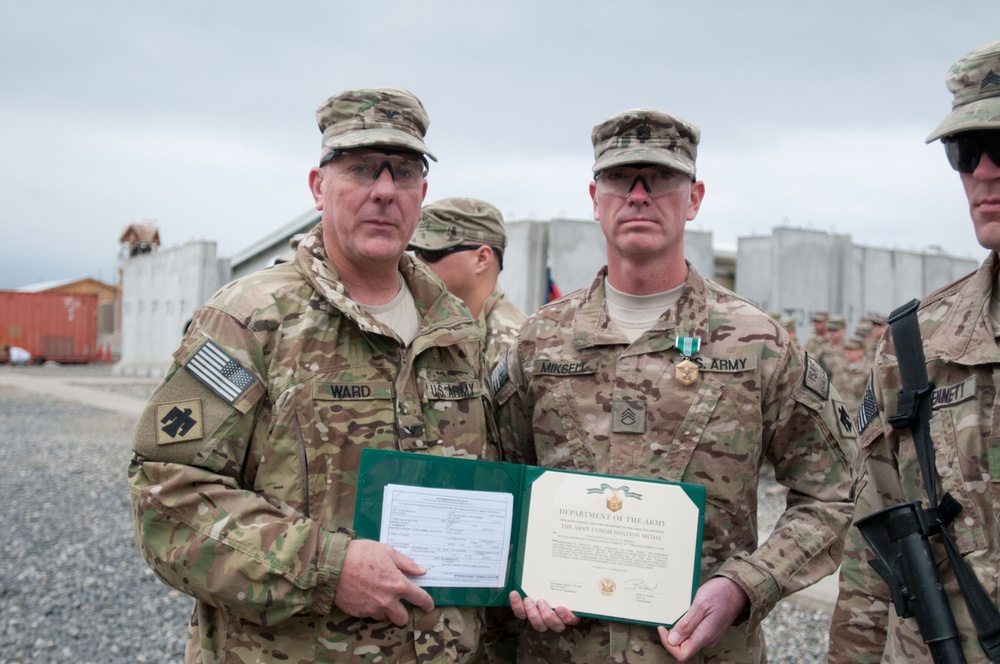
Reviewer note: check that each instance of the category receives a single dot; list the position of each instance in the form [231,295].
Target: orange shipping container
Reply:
[51,326]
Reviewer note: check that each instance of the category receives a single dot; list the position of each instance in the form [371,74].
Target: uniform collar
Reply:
[965,334]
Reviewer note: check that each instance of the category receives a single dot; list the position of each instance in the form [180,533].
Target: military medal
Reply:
[686,372]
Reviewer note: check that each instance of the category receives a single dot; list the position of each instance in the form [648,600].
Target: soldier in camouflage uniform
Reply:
[462,240]
[831,356]
[852,377]
[655,371]
[244,476]
[818,340]
[960,328]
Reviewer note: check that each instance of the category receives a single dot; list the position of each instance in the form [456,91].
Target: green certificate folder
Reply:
[618,548]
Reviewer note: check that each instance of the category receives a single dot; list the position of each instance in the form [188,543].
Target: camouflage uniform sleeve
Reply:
[859,627]
[813,453]
[513,412]
[200,529]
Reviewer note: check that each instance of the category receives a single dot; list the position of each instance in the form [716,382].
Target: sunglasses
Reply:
[434,255]
[964,150]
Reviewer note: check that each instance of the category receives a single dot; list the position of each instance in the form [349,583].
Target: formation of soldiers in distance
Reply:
[848,359]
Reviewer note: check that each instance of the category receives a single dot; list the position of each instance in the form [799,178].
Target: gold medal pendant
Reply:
[687,372]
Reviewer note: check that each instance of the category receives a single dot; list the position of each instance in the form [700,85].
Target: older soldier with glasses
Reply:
[245,467]
[959,329]
[655,371]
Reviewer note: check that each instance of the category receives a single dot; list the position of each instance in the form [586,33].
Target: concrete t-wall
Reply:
[798,271]
[160,292]
[575,250]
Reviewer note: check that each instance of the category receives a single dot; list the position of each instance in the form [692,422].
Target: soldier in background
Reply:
[788,323]
[959,328]
[879,323]
[462,240]
[245,469]
[852,377]
[653,370]
[818,340]
[831,356]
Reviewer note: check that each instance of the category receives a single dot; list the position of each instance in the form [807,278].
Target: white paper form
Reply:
[461,537]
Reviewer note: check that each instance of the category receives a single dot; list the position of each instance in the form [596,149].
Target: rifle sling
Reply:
[914,412]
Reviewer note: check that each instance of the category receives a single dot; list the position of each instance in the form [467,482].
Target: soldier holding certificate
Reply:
[655,371]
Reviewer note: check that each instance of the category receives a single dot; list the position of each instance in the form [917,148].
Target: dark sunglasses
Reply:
[965,149]
[434,255]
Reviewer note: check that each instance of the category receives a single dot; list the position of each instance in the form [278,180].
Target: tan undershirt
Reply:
[399,313]
[634,314]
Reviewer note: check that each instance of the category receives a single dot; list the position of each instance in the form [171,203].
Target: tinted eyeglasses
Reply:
[434,255]
[407,170]
[965,149]
[656,180]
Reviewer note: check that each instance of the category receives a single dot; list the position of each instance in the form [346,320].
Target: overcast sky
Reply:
[200,115]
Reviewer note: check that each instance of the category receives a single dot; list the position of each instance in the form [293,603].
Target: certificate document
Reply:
[618,548]
[625,549]
[460,537]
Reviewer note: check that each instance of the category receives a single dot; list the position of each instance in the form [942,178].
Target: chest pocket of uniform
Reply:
[560,438]
[964,476]
[717,445]
[454,413]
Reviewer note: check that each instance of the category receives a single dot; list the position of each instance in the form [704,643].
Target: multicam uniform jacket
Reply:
[245,468]
[963,363]
[570,381]
[503,319]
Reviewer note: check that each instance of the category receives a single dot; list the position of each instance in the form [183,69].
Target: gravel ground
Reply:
[73,587]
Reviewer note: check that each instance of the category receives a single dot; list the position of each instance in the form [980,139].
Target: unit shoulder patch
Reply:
[845,421]
[179,422]
[816,379]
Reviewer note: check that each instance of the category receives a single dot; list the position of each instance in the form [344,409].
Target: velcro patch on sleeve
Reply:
[845,421]
[179,422]
[816,379]
[219,372]
[868,410]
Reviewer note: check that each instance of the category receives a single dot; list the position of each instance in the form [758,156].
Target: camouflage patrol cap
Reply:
[836,322]
[880,319]
[974,79]
[864,328]
[645,136]
[854,343]
[374,117]
[788,323]
[452,221]
[819,316]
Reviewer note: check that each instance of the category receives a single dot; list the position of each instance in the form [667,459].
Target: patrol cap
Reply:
[819,316]
[645,136]
[854,343]
[836,322]
[880,319]
[974,79]
[374,117]
[788,323]
[452,221]
[864,328]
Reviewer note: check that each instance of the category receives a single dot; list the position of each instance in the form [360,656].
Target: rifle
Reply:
[899,535]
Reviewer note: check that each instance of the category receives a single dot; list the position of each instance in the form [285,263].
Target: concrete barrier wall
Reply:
[160,292]
[797,271]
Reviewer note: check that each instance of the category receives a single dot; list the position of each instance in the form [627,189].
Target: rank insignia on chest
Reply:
[628,416]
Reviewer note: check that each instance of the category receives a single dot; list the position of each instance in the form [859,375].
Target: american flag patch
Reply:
[868,410]
[219,372]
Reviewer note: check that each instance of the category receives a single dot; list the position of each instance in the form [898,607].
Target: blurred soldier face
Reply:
[645,216]
[819,327]
[854,355]
[370,202]
[837,336]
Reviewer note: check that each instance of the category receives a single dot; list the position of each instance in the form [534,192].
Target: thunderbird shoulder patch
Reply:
[178,422]
[219,372]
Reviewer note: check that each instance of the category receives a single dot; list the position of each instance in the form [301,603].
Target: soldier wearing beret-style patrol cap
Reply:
[959,328]
[462,240]
[246,458]
[655,371]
